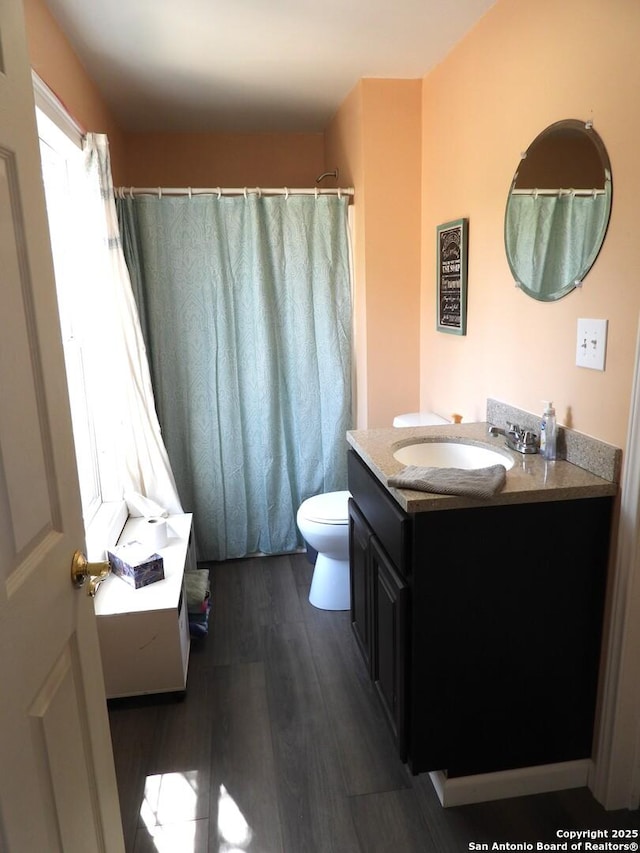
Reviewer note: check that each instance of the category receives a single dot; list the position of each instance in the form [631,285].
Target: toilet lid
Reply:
[330,508]
[419,419]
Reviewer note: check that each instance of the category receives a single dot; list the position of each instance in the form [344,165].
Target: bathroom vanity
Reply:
[480,621]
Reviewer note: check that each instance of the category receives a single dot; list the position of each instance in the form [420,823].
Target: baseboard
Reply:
[463,790]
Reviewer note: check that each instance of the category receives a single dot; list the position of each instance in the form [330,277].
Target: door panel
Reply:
[360,579]
[59,726]
[390,608]
[60,793]
[24,429]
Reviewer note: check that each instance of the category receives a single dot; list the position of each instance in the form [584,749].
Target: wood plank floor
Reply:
[279,745]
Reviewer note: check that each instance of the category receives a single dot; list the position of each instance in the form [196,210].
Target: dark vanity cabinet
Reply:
[389,606]
[480,627]
[360,569]
[379,610]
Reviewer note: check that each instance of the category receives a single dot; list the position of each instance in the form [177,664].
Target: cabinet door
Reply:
[390,609]
[360,579]
[505,640]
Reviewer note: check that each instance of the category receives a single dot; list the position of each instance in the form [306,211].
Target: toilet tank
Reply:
[412,419]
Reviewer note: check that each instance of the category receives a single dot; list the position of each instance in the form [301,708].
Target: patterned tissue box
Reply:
[135,565]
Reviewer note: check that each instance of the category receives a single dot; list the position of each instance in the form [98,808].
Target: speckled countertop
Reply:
[530,480]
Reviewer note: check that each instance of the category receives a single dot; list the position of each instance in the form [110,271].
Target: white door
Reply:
[57,781]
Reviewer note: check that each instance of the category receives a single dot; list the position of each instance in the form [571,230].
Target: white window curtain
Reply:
[119,368]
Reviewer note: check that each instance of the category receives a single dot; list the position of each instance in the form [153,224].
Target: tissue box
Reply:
[135,565]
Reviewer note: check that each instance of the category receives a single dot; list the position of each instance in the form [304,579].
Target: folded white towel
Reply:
[478,483]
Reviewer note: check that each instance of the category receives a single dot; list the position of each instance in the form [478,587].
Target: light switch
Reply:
[591,345]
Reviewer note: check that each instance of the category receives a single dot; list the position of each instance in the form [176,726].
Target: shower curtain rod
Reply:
[124,192]
[560,191]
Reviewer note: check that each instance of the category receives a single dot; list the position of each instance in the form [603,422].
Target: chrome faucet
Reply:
[521,440]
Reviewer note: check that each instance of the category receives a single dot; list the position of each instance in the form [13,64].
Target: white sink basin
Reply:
[450,454]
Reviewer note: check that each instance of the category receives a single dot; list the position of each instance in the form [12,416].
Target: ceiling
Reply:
[253,65]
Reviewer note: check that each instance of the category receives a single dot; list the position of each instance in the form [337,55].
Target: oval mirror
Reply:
[558,209]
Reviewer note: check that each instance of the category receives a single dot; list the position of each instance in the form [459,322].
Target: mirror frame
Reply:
[566,287]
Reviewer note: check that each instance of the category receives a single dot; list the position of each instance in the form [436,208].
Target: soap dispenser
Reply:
[548,432]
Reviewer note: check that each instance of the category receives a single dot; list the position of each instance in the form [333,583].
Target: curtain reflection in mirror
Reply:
[552,239]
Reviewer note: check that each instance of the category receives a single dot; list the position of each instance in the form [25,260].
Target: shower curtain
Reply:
[245,303]
[551,239]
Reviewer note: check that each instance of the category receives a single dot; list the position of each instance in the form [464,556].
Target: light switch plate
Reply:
[591,345]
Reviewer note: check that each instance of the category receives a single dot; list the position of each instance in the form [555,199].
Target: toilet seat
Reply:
[329,508]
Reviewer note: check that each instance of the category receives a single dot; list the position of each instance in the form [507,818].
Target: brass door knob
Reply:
[82,570]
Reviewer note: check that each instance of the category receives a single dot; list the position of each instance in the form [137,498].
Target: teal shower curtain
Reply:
[245,303]
[552,240]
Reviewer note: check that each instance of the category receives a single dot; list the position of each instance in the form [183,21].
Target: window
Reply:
[72,242]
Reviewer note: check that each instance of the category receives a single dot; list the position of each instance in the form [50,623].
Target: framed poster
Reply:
[452,277]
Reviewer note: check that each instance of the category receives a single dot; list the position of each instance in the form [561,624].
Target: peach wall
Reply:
[224,159]
[53,59]
[524,66]
[375,141]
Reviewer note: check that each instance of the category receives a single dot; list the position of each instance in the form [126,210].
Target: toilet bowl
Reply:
[323,521]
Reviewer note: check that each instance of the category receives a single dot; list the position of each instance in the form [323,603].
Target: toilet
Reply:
[412,419]
[323,521]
